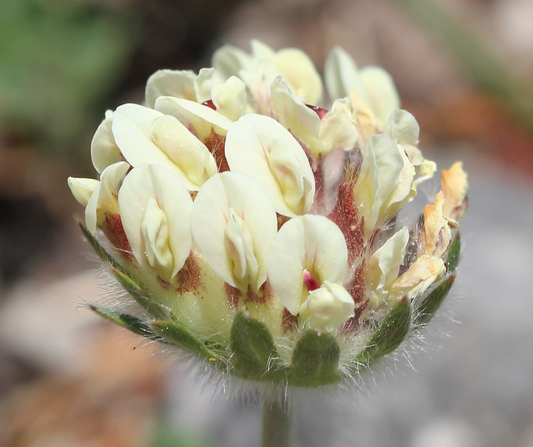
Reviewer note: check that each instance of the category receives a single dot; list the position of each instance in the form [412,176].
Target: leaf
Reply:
[133,324]
[315,360]
[427,309]
[454,254]
[176,334]
[390,334]
[256,356]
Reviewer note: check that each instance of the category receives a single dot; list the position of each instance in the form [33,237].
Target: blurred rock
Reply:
[92,386]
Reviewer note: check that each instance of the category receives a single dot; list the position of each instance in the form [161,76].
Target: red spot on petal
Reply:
[319,110]
[209,104]
[310,282]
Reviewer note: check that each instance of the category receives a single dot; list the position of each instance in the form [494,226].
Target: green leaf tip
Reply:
[256,357]
[102,253]
[454,254]
[427,309]
[140,295]
[315,360]
[390,334]
[176,334]
[125,278]
[133,324]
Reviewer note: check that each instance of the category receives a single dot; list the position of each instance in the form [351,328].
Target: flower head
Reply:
[257,228]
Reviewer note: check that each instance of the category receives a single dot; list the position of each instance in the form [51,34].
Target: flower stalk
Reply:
[276,422]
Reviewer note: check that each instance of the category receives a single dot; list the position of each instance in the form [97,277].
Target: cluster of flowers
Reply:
[256,227]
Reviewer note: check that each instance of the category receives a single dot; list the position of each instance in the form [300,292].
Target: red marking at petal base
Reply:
[189,277]
[217,144]
[233,294]
[318,110]
[209,104]
[289,322]
[310,282]
[114,231]
[263,296]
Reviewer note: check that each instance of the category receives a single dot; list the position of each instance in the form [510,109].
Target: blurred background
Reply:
[464,68]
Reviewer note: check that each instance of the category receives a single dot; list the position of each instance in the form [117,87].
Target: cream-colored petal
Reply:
[366,120]
[341,75]
[383,266]
[230,98]
[155,208]
[104,198]
[403,128]
[338,128]
[404,192]
[385,182]
[104,149]
[436,234]
[154,233]
[426,170]
[333,171]
[382,95]
[204,83]
[327,307]
[178,83]
[261,51]
[148,136]
[233,224]
[263,150]
[132,125]
[202,119]
[301,75]
[295,116]
[82,188]
[186,151]
[313,243]
[229,61]
[454,185]
[421,275]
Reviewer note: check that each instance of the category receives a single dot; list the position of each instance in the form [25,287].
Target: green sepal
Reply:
[454,254]
[255,355]
[176,334]
[389,336]
[140,295]
[101,252]
[129,322]
[125,278]
[315,360]
[427,309]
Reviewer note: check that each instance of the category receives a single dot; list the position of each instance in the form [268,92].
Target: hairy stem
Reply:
[276,422]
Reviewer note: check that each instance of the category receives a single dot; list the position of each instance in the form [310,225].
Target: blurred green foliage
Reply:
[58,61]
[166,437]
